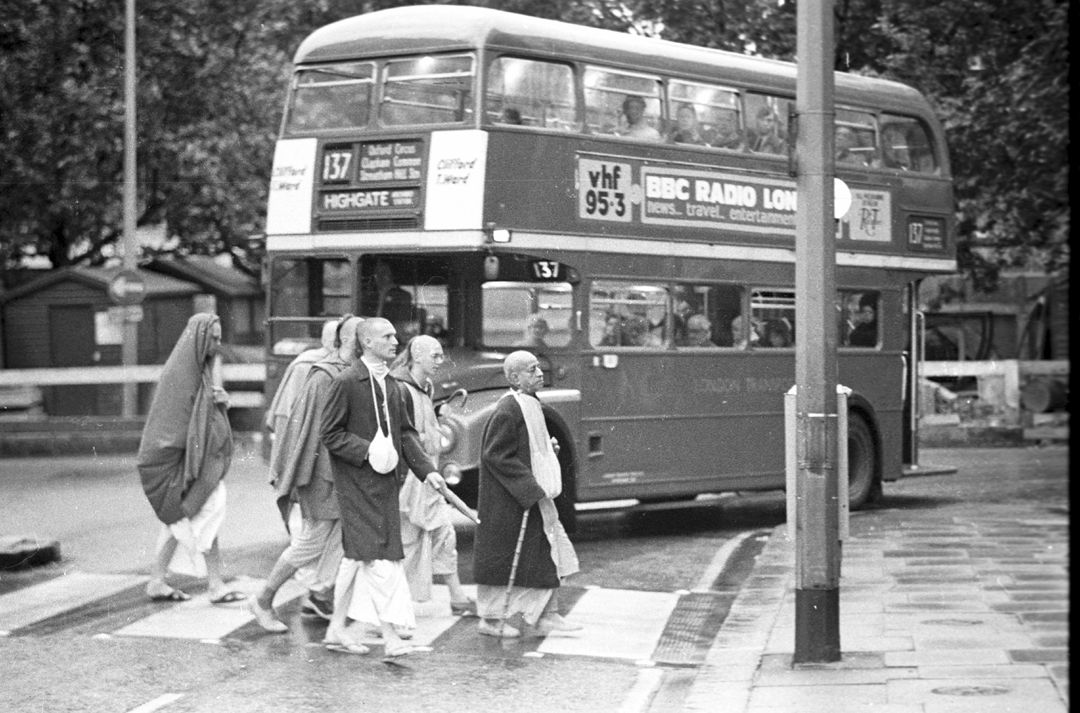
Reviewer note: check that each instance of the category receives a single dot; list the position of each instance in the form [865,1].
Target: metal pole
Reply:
[817,544]
[129,354]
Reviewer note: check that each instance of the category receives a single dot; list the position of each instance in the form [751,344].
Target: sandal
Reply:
[228,597]
[173,595]
[346,647]
[398,649]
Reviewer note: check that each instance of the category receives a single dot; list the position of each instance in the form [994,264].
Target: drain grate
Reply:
[692,627]
[971,690]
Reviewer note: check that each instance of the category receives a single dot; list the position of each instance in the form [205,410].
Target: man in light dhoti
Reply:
[366,428]
[289,425]
[519,475]
[184,454]
[427,532]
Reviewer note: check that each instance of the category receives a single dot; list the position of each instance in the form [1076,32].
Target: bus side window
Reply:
[622,104]
[715,111]
[628,315]
[766,123]
[772,316]
[858,312]
[855,140]
[528,92]
[905,145]
[703,315]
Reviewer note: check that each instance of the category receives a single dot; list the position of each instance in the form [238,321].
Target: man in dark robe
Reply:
[364,408]
[520,476]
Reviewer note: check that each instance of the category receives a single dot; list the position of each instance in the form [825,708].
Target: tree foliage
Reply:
[212,76]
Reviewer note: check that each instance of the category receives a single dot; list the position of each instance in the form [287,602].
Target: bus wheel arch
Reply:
[864,454]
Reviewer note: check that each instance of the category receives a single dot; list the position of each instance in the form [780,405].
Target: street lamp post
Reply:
[817,543]
[129,354]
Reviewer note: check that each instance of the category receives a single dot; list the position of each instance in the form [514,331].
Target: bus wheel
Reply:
[863,483]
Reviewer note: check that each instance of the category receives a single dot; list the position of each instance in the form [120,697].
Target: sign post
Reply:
[127,288]
[817,537]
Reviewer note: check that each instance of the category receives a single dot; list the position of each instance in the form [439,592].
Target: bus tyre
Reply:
[864,484]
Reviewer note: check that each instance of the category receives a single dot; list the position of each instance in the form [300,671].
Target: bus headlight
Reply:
[447,438]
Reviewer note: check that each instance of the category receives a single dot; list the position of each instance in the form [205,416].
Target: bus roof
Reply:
[442,28]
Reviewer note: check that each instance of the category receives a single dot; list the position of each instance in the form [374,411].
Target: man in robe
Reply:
[303,475]
[520,476]
[184,454]
[366,429]
[427,532]
[278,415]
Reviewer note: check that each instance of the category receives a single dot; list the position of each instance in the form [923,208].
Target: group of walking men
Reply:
[356,450]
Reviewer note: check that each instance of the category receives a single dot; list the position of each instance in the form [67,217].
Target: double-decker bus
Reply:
[622,206]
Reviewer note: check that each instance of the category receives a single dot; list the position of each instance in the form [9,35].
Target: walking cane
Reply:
[513,572]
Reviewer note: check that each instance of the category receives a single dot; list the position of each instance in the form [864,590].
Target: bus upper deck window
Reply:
[336,96]
[528,92]
[427,90]
[855,139]
[766,123]
[622,104]
[705,115]
[905,145]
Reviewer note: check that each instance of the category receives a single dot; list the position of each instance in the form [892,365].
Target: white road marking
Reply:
[158,703]
[70,591]
[197,618]
[644,688]
[617,623]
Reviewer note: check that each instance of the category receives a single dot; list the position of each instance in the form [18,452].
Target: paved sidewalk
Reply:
[941,611]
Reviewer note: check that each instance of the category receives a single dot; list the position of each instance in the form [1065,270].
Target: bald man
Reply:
[427,534]
[366,429]
[302,476]
[520,475]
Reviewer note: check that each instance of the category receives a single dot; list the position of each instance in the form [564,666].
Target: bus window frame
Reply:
[467,108]
[295,85]
[489,118]
[661,97]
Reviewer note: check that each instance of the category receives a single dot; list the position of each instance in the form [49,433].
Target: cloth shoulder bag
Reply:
[381,454]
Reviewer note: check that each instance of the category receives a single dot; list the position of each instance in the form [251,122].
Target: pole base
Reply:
[817,626]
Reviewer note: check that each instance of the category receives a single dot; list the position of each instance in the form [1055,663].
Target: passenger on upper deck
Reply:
[765,136]
[636,125]
[687,130]
[727,134]
[847,145]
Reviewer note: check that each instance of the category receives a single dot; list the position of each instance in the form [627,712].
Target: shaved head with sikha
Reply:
[522,370]
[377,338]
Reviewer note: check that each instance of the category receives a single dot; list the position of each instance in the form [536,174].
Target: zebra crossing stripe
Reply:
[618,623]
[27,606]
[197,618]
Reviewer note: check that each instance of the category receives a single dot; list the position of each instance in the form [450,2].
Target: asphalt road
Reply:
[86,658]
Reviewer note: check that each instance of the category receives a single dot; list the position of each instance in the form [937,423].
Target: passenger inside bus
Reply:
[510,115]
[686,130]
[613,328]
[536,331]
[743,333]
[848,149]
[699,331]
[865,331]
[765,136]
[637,127]
[727,134]
[777,334]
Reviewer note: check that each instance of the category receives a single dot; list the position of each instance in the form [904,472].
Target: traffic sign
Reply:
[127,288]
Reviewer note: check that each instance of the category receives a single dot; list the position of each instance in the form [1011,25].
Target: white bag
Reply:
[381,453]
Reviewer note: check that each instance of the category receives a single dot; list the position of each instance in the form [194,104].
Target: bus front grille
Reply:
[368,224]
